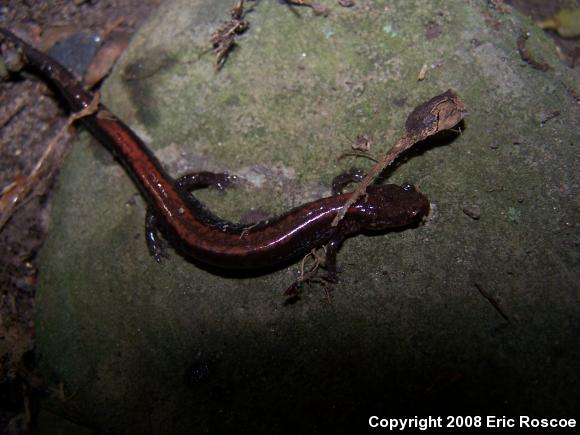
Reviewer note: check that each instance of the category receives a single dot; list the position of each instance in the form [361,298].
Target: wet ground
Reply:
[30,118]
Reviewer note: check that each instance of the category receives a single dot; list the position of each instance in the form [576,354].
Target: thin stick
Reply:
[492,301]
[441,112]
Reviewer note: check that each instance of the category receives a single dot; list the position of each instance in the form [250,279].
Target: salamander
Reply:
[190,226]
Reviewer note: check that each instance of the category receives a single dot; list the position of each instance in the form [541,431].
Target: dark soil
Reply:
[30,118]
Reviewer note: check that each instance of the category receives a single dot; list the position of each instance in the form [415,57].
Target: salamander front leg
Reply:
[339,183]
[157,247]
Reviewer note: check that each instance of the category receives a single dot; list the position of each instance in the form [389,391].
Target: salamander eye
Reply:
[408,187]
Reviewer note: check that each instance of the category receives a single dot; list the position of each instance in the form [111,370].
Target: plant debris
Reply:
[473,211]
[549,117]
[494,303]
[363,142]
[346,3]
[441,112]
[307,275]
[224,40]
[422,73]
[425,68]
[317,8]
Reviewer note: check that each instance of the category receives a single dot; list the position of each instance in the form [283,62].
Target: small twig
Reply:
[224,39]
[425,68]
[441,112]
[572,92]
[23,188]
[317,8]
[8,117]
[422,73]
[549,117]
[357,154]
[346,3]
[89,110]
[306,276]
[492,301]
[327,294]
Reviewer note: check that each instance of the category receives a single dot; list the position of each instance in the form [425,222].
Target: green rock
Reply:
[132,346]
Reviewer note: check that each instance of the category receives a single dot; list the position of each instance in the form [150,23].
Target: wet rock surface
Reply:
[127,343]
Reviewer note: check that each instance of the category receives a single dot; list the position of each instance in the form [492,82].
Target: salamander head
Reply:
[390,206]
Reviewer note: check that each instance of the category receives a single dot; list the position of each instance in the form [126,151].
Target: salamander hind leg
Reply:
[185,184]
[330,262]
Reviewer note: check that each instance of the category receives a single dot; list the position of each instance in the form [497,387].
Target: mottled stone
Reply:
[132,346]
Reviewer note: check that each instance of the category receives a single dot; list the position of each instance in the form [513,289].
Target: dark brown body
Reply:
[198,233]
